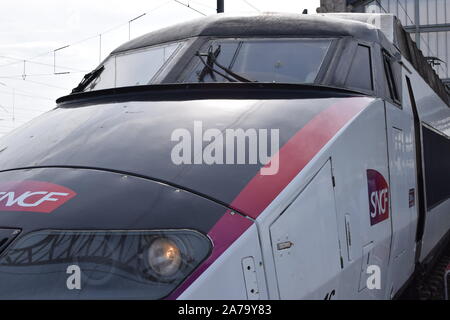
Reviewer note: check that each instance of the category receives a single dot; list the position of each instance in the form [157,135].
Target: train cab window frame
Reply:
[391,78]
[192,72]
[107,75]
[354,70]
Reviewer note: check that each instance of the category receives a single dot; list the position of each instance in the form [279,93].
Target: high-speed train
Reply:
[269,156]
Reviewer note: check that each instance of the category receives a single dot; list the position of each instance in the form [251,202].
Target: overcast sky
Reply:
[31,30]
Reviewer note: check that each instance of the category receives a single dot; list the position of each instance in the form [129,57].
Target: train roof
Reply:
[385,29]
[265,24]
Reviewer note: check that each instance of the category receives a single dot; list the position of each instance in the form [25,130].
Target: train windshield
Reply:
[130,68]
[225,60]
[259,60]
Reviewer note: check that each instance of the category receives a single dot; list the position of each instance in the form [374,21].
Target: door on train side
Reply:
[401,151]
[305,242]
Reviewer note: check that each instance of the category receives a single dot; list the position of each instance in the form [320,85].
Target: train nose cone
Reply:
[69,198]
[90,234]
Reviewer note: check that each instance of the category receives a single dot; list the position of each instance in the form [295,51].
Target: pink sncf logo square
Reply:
[33,196]
[378,197]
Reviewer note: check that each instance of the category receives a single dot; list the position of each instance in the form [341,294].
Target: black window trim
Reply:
[389,75]
[190,66]
[426,126]
[372,74]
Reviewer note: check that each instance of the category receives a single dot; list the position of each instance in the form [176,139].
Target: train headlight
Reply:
[164,257]
[108,264]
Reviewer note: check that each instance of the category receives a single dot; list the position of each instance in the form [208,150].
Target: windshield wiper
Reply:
[88,78]
[211,61]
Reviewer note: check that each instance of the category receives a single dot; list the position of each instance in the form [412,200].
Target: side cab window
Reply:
[360,76]
[392,72]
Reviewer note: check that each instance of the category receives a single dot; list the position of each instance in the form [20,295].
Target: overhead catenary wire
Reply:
[46,84]
[25,95]
[24,114]
[98,34]
[24,92]
[20,61]
[411,20]
[41,84]
[3,108]
[40,75]
[31,60]
[73,70]
[27,113]
[132,20]
[251,5]
[203,4]
[189,6]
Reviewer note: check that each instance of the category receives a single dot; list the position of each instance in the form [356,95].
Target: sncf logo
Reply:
[35,196]
[378,197]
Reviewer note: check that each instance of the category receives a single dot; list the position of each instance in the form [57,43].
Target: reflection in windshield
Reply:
[133,68]
[211,64]
[283,61]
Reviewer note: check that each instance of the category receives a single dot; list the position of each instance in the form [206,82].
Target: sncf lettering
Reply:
[34,196]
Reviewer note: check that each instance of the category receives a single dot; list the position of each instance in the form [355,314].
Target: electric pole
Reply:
[220,6]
